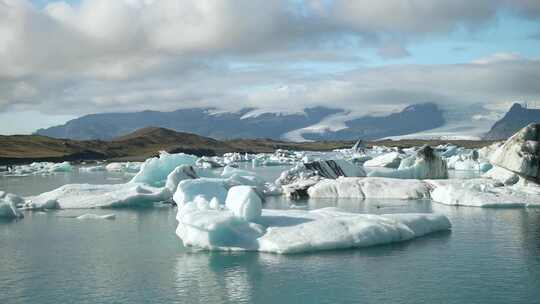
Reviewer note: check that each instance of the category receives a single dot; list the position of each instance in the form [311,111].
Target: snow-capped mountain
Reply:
[254,123]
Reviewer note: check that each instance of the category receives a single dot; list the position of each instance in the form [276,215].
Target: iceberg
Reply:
[82,196]
[128,167]
[8,205]
[370,187]
[244,202]
[502,175]
[388,160]
[425,164]
[205,188]
[97,168]
[154,170]
[296,231]
[521,153]
[237,177]
[39,168]
[482,192]
[179,174]
[91,216]
[298,179]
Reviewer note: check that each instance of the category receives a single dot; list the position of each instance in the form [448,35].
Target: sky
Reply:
[63,59]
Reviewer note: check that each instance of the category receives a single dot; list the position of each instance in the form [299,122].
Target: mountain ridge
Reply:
[515,119]
[228,125]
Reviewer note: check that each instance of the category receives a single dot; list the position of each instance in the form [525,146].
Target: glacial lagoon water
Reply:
[490,256]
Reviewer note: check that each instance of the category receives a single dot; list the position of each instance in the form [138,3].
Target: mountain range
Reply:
[516,118]
[249,123]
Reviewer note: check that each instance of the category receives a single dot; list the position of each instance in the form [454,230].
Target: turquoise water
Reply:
[490,256]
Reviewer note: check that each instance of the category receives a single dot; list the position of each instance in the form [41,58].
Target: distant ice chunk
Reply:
[155,170]
[128,167]
[61,167]
[244,202]
[370,187]
[39,168]
[96,168]
[91,216]
[388,160]
[296,231]
[423,165]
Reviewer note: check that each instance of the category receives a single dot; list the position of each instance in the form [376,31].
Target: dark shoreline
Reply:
[145,143]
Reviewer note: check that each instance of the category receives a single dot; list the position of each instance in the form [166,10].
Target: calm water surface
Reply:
[491,256]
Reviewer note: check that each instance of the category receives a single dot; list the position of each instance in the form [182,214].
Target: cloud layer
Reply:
[103,55]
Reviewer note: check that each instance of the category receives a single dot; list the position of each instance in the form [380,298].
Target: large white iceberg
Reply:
[482,192]
[423,165]
[370,187]
[521,153]
[295,231]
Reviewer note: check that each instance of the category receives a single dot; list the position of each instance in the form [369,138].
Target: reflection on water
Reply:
[491,256]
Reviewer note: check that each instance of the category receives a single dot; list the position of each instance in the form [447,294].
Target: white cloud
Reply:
[105,55]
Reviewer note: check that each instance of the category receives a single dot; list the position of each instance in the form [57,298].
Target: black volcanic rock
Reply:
[412,119]
[515,119]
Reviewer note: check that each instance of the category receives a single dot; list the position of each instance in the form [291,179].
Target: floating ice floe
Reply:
[388,160]
[370,187]
[295,231]
[8,205]
[521,153]
[482,192]
[425,164]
